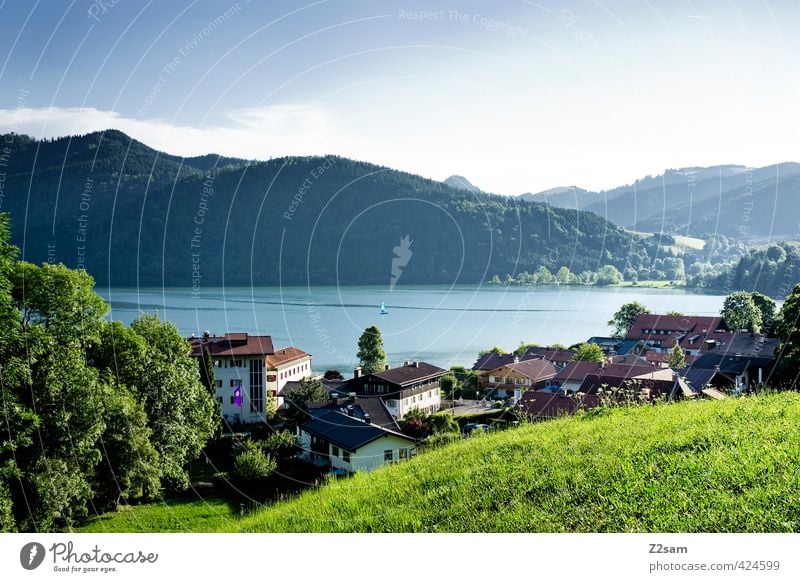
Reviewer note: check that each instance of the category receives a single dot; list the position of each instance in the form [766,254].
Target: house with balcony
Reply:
[517,377]
[414,385]
[350,441]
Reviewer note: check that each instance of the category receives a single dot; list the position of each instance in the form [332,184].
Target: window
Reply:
[346,456]
[219,399]
[217,363]
[334,451]
[219,383]
[271,378]
[403,453]
[236,363]
[256,386]
[391,403]
[388,455]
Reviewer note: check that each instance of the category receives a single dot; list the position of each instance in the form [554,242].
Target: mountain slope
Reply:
[723,466]
[134,216]
[730,200]
[697,466]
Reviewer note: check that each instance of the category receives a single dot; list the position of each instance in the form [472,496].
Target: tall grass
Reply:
[732,465]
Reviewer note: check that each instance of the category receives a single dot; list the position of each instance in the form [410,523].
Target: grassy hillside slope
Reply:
[732,465]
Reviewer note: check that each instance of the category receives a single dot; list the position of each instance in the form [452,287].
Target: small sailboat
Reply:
[383,310]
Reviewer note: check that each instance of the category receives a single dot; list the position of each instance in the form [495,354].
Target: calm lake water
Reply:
[442,325]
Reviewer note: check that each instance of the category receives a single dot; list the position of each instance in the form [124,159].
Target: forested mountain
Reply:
[132,215]
[730,200]
[463,183]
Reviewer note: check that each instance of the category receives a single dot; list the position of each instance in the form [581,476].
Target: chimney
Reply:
[416,364]
[406,362]
[516,359]
[350,410]
[333,397]
[716,368]
[367,419]
[738,357]
[386,367]
[357,373]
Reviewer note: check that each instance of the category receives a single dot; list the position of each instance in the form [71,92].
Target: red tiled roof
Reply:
[656,386]
[691,331]
[284,356]
[660,358]
[576,371]
[232,344]
[543,405]
[537,370]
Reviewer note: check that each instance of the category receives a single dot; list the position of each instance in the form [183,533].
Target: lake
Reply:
[438,324]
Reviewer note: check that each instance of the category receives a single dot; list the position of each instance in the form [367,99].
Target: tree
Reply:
[310,390]
[448,384]
[370,351]
[181,413]
[587,352]
[677,358]
[207,376]
[253,464]
[608,275]
[622,320]
[673,313]
[739,312]
[494,350]
[768,309]
[416,423]
[787,366]
[333,375]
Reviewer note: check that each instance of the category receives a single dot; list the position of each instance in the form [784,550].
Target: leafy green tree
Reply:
[494,350]
[768,310]
[253,464]
[608,275]
[787,366]
[623,320]
[587,352]
[739,312]
[60,317]
[281,445]
[448,384]
[370,351]
[129,468]
[677,358]
[181,413]
[207,376]
[310,390]
[674,313]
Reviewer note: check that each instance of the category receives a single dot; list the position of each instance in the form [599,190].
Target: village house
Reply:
[249,372]
[746,371]
[517,377]
[414,385]
[558,357]
[350,441]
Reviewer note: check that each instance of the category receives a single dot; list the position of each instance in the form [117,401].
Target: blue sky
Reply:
[517,96]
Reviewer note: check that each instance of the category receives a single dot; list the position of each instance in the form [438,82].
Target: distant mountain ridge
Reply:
[134,216]
[732,200]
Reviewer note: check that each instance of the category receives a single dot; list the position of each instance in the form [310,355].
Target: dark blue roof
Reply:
[344,431]
[620,346]
[696,378]
[731,363]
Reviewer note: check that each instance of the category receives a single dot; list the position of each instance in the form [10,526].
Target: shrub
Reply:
[254,464]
